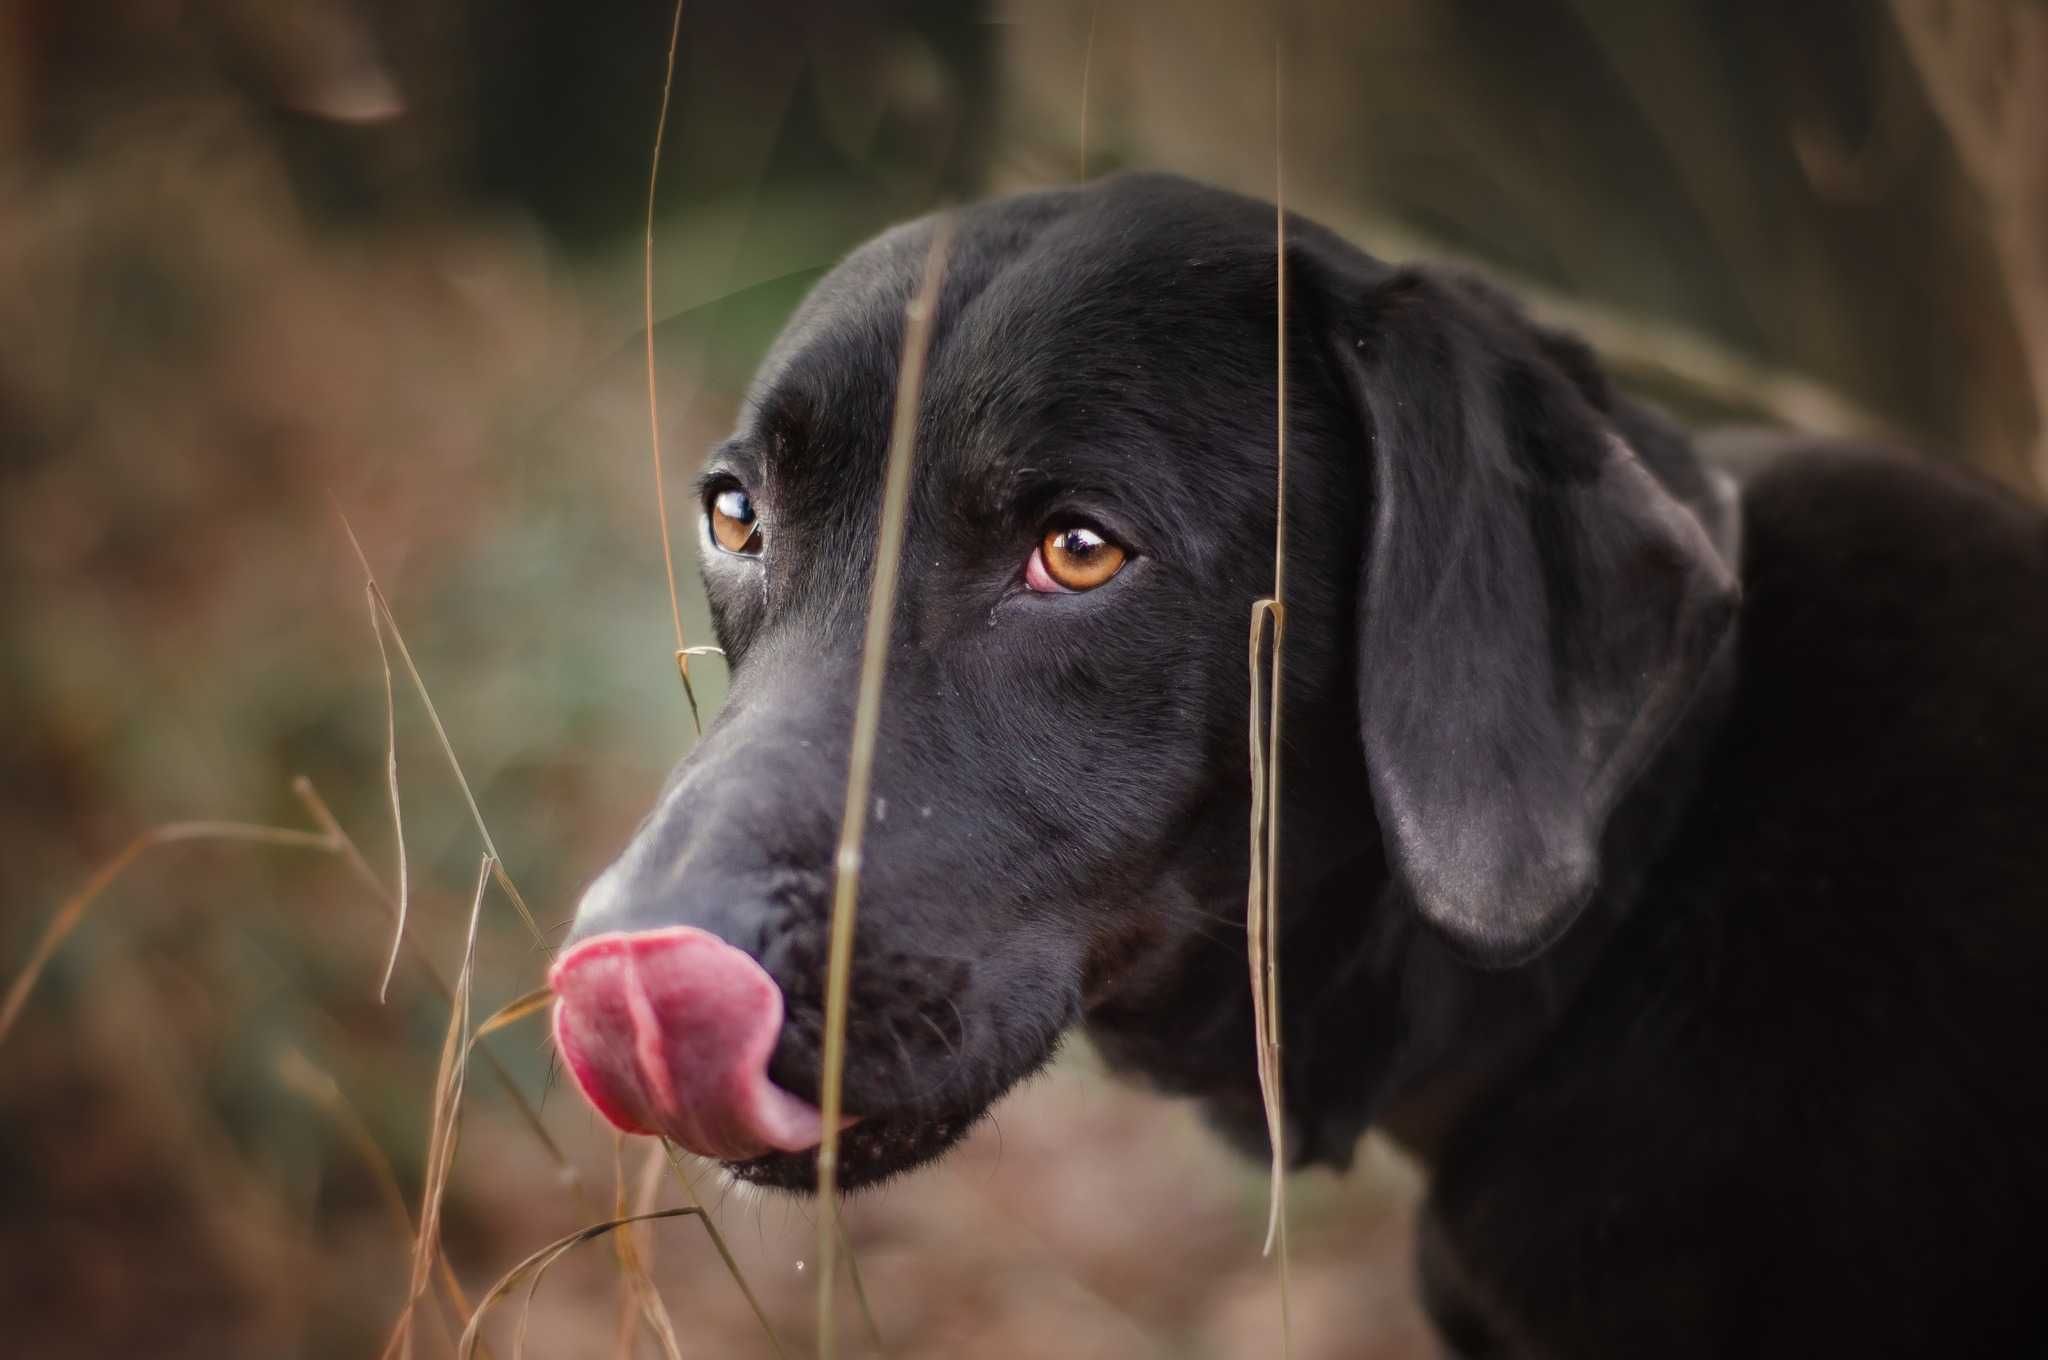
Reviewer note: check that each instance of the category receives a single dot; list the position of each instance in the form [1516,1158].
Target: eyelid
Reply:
[1085,515]
[722,474]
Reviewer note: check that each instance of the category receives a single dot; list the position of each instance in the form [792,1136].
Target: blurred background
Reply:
[264,262]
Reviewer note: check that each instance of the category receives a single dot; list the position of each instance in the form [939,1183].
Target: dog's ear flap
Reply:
[1535,613]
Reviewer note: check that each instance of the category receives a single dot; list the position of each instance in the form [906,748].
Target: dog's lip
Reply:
[880,1148]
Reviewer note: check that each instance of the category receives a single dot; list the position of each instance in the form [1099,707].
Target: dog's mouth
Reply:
[871,1151]
[671,1032]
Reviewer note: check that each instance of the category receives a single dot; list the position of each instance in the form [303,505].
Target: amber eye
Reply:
[733,526]
[1072,559]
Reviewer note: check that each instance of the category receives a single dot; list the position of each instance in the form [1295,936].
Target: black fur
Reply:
[1697,950]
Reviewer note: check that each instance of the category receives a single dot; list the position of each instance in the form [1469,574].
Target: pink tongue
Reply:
[670,1031]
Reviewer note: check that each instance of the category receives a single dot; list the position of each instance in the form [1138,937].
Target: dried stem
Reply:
[732,1266]
[668,556]
[447,1124]
[391,779]
[74,908]
[1262,905]
[860,1290]
[917,330]
[537,1265]
[323,816]
[642,1297]
[512,1012]
[299,1074]
[419,685]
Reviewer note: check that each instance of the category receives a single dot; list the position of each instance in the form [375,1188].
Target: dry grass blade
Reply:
[391,779]
[642,1297]
[323,816]
[732,1266]
[74,908]
[512,1012]
[447,1122]
[668,556]
[299,1074]
[1261,918]
[636,1256]
[383,607]
[628,1326]
[352,855]
[860,768]
[539,1263]
[860,1290]
[1262,906]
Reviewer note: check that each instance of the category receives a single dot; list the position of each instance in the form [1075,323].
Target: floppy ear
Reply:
[1535,613]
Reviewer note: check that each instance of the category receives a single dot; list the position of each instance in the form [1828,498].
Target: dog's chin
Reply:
[870,1152]
[881,1146]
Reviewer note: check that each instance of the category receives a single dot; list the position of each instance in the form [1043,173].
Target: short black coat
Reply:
[1665,863]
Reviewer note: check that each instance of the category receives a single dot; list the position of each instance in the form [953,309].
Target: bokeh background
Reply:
[262,264]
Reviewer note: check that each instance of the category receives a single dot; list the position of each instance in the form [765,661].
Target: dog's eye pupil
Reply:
[1079,558]
[733,526]
[1078,543]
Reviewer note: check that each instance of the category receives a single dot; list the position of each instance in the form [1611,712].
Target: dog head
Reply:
[1494,616]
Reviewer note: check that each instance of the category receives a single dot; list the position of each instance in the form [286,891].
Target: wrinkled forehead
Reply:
[1077,337]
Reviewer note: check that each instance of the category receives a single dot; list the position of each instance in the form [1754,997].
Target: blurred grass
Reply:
[186,623]
[227,312]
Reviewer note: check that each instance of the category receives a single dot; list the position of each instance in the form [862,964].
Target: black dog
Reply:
[1666,866]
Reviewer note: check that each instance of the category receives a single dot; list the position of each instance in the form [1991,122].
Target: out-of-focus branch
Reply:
[1984,64]
[319,58]
[1866,170]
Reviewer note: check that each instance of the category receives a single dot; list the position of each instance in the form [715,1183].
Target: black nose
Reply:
[740,841]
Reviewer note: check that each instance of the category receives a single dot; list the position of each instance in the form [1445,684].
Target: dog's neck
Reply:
[1459,1031]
